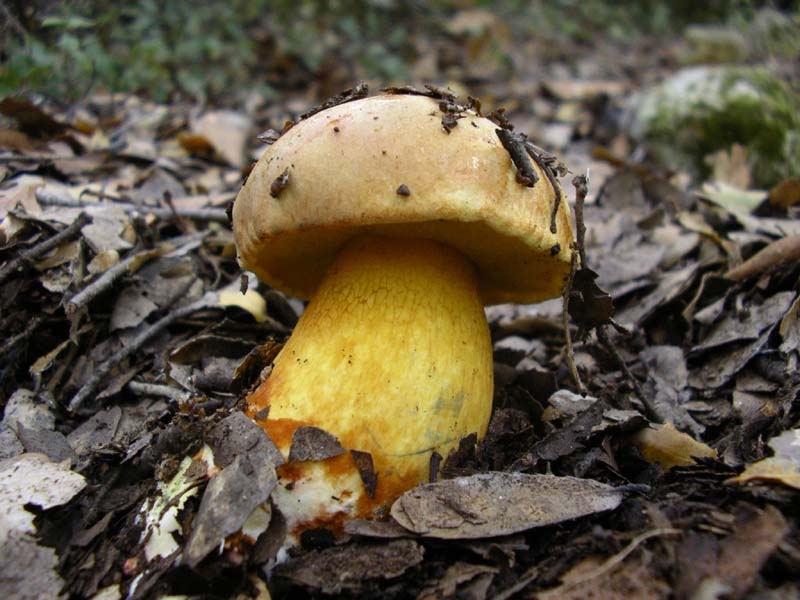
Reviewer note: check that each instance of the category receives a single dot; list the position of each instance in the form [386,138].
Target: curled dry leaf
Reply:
[498,503]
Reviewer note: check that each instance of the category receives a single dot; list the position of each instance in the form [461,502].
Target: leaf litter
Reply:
[667,466]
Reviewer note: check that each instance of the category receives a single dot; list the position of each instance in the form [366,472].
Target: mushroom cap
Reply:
[384,165]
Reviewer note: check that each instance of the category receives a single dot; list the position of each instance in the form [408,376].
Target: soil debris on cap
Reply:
[280,183]
[361,90]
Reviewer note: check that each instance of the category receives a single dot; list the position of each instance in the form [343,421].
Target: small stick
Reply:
[44,246]
[568,350]
[780,252]
[155,389]
[33,324]
[602,337]
[216,215]
[515,146]
[532,151]
[128,265]
[27,158]
[618,558]
[581,183]
[103,369]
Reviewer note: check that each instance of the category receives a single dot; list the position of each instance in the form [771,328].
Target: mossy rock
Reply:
[701,110]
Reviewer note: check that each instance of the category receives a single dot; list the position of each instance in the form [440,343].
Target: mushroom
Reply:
[399,232]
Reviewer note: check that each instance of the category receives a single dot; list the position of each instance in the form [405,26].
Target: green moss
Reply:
[702,110]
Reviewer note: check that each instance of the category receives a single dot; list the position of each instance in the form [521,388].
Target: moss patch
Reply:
[702,110]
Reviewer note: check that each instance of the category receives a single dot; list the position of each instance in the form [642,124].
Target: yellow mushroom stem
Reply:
[393,357]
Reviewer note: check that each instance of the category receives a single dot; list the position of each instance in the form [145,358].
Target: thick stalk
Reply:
[393,357]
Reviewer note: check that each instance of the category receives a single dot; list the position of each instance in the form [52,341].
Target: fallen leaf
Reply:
[227,131]
[236,435]
[741,326]
[251,301]
[451,583]
[592,578]
[730,197]
[30,118]
[755,538]
[350,567]
[230,497]
[499,503]
[669,447]
[783,467]
[313,443]
[786,194]
[28,570]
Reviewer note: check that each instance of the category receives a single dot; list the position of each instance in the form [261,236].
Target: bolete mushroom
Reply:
[399,227]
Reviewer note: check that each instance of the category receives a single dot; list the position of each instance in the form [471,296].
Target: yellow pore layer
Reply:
[393,357]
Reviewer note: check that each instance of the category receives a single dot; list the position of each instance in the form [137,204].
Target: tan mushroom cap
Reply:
[346,166]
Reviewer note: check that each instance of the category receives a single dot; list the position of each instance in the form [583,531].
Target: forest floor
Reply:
[124,332]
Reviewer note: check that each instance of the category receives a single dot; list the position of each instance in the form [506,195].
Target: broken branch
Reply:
[44,246]
[216,215]
[102,371]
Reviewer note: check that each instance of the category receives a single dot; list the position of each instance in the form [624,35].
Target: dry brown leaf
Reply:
[499,503]
[351,566]
[786,194]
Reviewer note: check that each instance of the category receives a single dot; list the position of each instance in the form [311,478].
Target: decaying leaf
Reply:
[236,435]
[313,443]
[230,498]
[730,567]
[27,570]
[593,578]
[463,580]
[783,467]
[589,305]
[749,325]
[669,447]
[349,567]
[499,503]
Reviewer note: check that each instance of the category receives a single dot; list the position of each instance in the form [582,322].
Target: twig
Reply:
[545,162]
[102,371]
[26,158]
[129,265]
[25,333]
[780,252]
[216,215]
[515,146]
[155,389]
[568,351]
[581,183]
[12,21]
[618,558]
[524,581]
[44,246]
[602,337]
